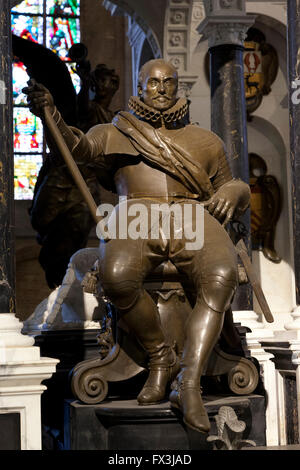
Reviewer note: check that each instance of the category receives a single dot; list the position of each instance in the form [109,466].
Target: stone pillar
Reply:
[7,265]
[226,26]
[21,368]
[293,27]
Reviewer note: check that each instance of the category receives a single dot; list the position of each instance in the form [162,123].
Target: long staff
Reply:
[73,168]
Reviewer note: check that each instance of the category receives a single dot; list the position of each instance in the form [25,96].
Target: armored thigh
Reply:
[121,271]
[213,268]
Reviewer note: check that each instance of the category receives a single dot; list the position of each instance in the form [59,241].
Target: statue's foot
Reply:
[161,374]
[187,399]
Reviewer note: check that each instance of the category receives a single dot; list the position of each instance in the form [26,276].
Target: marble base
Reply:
[22,372]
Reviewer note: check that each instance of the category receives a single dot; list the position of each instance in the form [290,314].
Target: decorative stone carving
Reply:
[181,38]
[178,17]
[225,32]
[226,22]
[177,39]
[228,6]
[230,431]
[185,85]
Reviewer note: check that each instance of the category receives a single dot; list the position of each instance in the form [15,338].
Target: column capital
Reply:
[226,22]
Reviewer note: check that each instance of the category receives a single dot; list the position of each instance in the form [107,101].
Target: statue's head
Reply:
[158,83]
[105,82]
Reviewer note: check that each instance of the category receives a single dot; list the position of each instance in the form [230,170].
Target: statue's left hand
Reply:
[231,200]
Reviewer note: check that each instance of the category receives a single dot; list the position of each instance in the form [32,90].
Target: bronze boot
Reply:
[201,333]
[143,319]
[163,366]
[186,397]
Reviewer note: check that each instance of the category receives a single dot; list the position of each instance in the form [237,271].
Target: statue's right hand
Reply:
[38,96]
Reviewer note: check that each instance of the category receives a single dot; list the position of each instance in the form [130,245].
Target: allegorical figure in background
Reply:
[58,213]
[266,206]
[154,155]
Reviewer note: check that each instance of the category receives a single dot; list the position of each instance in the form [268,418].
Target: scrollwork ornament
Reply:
[90,388]
[243,378]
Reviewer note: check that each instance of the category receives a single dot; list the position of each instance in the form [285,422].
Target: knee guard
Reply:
[123,294]
[218,293]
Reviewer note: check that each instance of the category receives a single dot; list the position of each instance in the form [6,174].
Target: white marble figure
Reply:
[68,306]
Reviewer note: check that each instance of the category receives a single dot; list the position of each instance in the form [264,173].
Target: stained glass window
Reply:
[27,167]
[54,24]
[62,33]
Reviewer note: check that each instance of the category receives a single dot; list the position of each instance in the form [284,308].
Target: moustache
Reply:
[162,96]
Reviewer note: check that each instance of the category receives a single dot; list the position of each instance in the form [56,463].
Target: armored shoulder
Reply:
[206,139]
[111,140]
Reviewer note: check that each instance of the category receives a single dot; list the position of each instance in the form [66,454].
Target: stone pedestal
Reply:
[286,358]
[123,425]
[22,372]
[257,333]
[68,347]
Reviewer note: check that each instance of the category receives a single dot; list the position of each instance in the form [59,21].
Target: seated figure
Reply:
[153,155]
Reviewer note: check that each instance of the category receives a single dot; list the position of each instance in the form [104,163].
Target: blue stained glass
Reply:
[28,27]
[27,168]
[29,6]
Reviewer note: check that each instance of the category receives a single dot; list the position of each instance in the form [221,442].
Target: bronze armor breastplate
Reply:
[141,180]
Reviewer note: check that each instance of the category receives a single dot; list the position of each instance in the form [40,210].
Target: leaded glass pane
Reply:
[28,132]
[28,27]
[27,168]
[63,7]
[20,79]
[29,6]
[62,33]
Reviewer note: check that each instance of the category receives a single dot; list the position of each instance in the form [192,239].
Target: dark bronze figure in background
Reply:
[154,155]
[58,213]
[266,206]
[102,82]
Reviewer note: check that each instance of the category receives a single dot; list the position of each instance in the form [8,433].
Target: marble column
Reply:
[293,27]
[21,368]
[226,26]
[7,265]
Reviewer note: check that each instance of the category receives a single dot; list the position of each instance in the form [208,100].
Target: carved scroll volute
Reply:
[89,386]
[243,378]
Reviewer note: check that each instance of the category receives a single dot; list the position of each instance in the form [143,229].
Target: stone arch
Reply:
[142,39]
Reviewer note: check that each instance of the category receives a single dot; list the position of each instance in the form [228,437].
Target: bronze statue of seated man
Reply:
[153,155]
